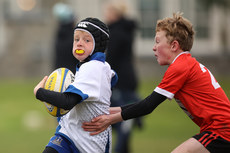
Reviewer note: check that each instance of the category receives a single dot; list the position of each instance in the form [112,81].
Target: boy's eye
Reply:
[87,40]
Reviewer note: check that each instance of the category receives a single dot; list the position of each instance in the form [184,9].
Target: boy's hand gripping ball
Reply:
[58,81]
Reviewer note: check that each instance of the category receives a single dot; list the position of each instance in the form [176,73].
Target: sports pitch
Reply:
[27,127]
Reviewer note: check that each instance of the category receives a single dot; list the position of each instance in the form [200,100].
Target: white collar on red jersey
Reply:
[186,52]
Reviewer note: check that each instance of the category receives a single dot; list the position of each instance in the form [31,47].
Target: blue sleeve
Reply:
[114,80]
[72,89]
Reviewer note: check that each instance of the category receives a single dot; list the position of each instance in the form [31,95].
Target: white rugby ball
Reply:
[58,81]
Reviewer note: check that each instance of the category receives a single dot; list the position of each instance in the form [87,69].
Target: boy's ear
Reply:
[175,45]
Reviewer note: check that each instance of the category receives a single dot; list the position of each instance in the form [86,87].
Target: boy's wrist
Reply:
[115,118]
[38,93]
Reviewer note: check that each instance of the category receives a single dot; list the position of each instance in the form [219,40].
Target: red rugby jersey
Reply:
[198,94]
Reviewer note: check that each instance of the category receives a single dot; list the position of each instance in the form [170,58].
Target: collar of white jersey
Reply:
[186,52]
[99,56]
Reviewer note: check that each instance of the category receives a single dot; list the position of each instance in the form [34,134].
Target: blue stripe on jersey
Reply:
[59,126]
[98,56]
[72,89]
[107,147]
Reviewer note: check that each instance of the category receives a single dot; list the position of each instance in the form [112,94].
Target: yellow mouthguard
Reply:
[79,51]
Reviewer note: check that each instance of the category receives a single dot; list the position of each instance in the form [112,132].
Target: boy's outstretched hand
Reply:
[97,124]
[41,84]
[101,123]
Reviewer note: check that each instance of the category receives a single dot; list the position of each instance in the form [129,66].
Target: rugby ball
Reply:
[58,81]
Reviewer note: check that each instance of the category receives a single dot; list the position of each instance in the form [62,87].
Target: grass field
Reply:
[26,127]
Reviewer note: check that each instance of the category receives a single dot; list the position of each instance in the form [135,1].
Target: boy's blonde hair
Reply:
[177,28]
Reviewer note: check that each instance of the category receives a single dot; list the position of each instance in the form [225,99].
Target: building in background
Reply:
[27,29]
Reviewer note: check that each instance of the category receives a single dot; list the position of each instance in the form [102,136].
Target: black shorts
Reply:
[213,142]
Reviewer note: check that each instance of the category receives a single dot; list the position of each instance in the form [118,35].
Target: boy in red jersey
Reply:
[190,83]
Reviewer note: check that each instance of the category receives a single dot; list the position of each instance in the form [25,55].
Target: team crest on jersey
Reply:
[57,141]
[82,24]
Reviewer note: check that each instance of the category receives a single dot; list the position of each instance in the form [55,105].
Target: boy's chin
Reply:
[80,59]
[162,63]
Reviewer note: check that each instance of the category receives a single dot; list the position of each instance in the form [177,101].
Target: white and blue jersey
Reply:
[93,82]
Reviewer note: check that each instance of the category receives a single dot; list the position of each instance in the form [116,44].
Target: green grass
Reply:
[18,106]
[26,126]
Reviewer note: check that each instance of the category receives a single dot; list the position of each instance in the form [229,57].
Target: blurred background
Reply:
[28,30]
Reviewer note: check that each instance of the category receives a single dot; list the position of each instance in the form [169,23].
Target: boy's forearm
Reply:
[143,107]
[62,100]
[114,110]
[115,118]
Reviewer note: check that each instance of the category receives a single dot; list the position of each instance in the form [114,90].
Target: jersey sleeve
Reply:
[87,82]
[143,107]
[173,80]
[62,100]
[114,79]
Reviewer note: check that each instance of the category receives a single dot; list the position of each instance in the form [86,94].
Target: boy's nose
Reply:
[154,48]
[79,43]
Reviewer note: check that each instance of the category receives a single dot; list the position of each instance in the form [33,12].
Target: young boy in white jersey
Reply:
[87,97]
[190,83]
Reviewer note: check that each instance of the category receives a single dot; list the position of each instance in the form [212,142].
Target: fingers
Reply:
[43,81]
[41,84]
[89,126]
[92,128]
[97,132]
[96,119]
[96,126]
